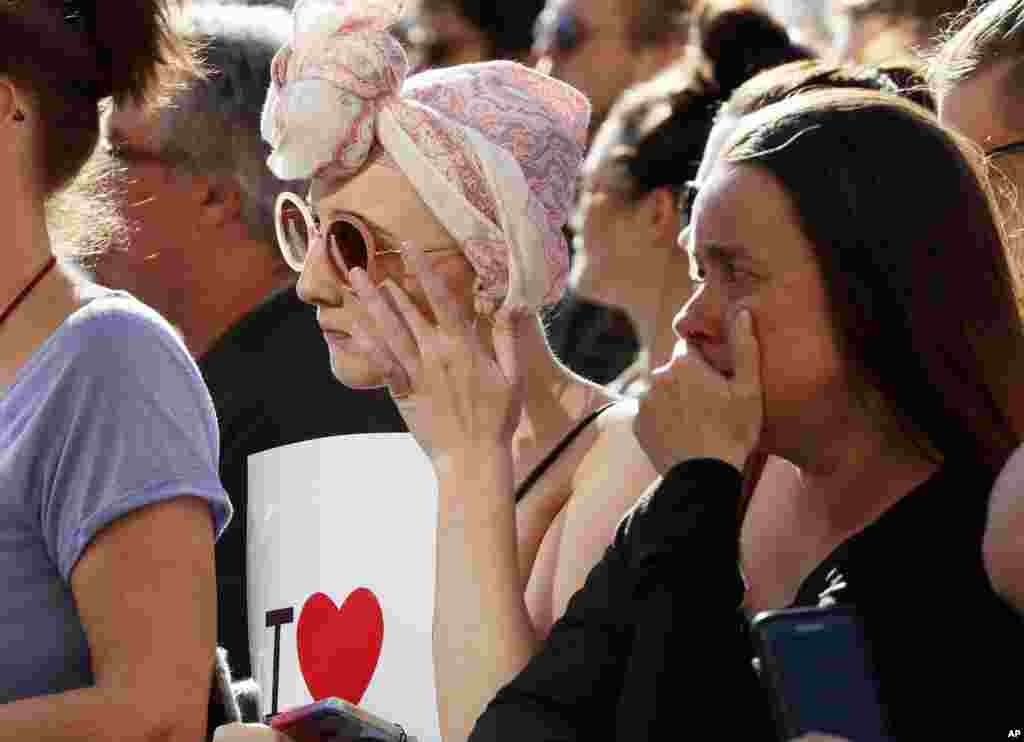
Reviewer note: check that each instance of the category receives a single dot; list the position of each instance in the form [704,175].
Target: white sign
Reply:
[341,576]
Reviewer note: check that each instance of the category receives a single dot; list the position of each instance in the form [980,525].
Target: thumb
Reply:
[747,361]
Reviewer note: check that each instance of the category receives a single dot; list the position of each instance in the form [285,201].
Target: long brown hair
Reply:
[785,81]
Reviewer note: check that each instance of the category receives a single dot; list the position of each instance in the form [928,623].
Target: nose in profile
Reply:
[319,283]
[699,321]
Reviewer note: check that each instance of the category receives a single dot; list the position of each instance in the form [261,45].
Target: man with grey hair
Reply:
[198,198]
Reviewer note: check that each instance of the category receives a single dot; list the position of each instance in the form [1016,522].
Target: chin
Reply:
[356,372]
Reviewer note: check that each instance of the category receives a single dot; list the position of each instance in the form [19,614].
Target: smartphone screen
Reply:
[337,720]
[816,663]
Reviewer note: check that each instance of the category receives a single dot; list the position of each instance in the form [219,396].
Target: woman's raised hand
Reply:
[694,411]
[474,398]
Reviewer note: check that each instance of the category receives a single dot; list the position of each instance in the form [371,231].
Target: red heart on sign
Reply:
[339,647]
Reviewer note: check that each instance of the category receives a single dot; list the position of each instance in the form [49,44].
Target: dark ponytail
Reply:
[68,55]
[665,122]
[739,43]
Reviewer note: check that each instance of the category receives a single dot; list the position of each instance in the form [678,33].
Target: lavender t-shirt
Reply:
[108,416]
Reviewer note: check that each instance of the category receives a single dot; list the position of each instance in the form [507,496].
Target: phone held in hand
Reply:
[335,719]
[816,664]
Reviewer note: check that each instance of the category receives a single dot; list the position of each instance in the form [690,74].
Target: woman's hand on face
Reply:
[693,411]
[474,399]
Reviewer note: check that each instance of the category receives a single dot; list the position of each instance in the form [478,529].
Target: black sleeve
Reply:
[666,590]
[690,655]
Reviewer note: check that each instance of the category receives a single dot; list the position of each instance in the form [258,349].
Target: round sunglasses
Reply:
[1006,149]
[350,242]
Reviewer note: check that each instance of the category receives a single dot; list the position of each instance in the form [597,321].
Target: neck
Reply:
[665,337]
[856,478]
[50,302]
[27,248]
[210,309]
[556,399]
[654,311]
[645,317]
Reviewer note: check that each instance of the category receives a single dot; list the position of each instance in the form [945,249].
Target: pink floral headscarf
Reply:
[493,149]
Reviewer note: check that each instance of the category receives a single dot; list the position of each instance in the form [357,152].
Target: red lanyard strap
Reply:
[9,309]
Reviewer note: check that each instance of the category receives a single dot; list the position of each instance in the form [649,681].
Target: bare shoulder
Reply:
[615,461]
[612,476]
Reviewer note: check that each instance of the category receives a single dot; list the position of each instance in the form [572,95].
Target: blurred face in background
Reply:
[587,44]
[437,35]
[625,254]
[158,261]
[981,109]
[876,32]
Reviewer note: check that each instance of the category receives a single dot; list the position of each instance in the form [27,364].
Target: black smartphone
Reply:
[816,664]
[335,719]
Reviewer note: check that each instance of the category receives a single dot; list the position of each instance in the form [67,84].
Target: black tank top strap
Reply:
[544,465]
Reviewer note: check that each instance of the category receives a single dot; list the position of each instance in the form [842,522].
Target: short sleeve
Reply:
[135,425]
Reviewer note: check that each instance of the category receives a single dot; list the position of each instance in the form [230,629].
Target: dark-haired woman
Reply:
[976,76]
[640,160]
[108,442]
[814,340]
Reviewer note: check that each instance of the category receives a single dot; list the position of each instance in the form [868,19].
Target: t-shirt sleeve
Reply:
[135,426]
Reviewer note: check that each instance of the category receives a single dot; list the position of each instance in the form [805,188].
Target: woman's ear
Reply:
[11,110]
[662,212]
[221,200]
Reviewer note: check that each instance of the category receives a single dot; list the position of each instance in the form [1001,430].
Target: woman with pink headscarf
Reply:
[442,198]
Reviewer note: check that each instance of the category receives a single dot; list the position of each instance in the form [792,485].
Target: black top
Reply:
[272,385]
[654,646]
[596,341]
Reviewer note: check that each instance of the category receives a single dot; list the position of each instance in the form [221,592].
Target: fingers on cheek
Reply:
[373,350]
